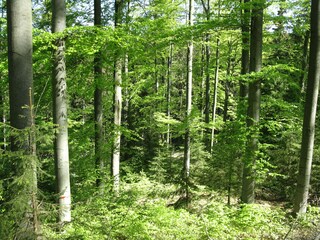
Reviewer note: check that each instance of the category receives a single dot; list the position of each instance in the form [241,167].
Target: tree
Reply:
[59,93]
[21,116]
[117,103]
[245,54]
[253,115]
[308,131]
[206,7]
[98,105]
[3,117]
[216,82]
[169,85]
[187,140]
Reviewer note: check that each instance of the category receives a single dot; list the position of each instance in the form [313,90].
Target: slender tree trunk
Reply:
[215,92]
[169,81]
[207,91]
[3,94]
[245,57]
[19,16]
[206,7]
[117,105]
[248,180]
[156,73]
[202,102]
[225,115]
[187,152]
[126,98]
[59,88]
[227,83]
[308,131]
[98,107]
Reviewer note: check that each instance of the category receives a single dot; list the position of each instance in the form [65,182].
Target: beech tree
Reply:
[248,179]
[3,116]
[245,53]
[187,140]
[60,117]
[308,131]
[98,105]
[174,75]
[19,15]
[117,103]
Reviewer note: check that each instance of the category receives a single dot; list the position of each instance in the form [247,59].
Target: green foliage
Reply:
[144,208]
[143,211]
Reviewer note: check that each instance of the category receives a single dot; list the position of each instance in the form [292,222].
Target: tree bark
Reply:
[117,105]
[215,92]
[19,17]
[2,97]
[60,117]
[308,131]
[248,180]
[206,7]
[187,152]
[98,108]
[169,82]
[245,53]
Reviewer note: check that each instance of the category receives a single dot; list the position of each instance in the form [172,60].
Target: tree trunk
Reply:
[245,57]
[248,180]
[169,81]
[227,83]
[98,107]
[2,97]
[187,152]
[206,7]
[301,196]
[24,196]
[59,87]
[215,92]
[117,105]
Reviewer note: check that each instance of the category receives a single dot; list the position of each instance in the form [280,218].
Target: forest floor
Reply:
[149,210]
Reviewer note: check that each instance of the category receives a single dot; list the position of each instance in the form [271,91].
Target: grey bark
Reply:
[216,82]
[19,17]
[308,131]
[98,107]
[245,53]
[215,92]
[253,115]
[117,105]
[169,82]
[187,140]
[206,7]
[2,97]
[60,117]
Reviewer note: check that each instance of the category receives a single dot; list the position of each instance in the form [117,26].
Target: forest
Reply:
[159,119]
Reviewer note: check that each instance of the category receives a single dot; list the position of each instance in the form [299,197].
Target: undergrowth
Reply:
[145,210]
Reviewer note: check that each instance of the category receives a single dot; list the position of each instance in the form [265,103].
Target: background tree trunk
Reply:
[98,107]
[60,117]
[301,196]
[245,53]
[248,180]
[3,93]
[215,92]
[187,140]
[169,82]
[117,105]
